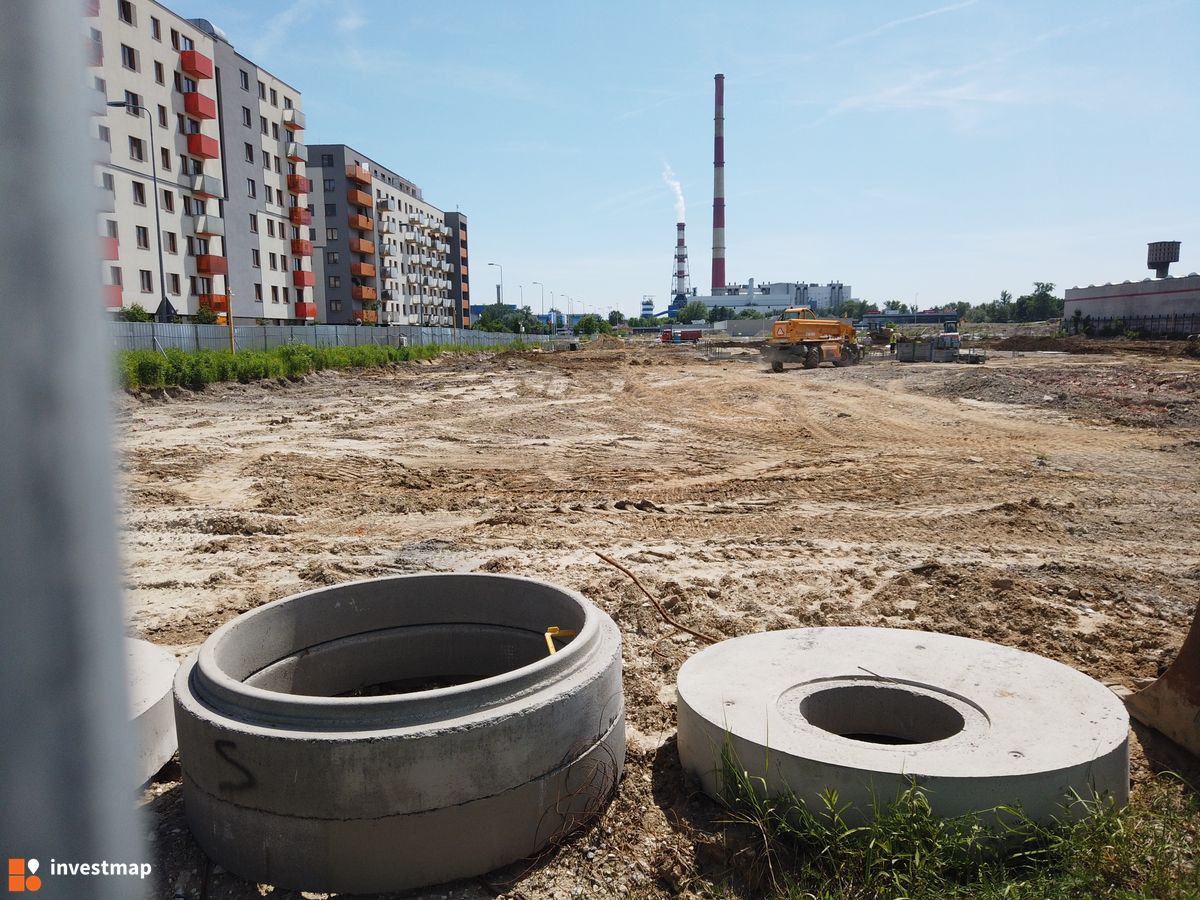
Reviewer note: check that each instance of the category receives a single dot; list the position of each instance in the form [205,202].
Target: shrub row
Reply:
[141,369]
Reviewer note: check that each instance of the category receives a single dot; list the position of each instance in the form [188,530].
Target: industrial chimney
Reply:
[718,250]
[680,287]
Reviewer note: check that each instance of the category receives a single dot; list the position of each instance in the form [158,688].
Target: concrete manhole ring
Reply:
[399,732]
[865,711]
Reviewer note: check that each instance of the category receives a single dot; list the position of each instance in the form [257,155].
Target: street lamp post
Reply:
[162,277]
[543,306]
[501,268]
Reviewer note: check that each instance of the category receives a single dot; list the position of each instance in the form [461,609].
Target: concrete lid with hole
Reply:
[835,707]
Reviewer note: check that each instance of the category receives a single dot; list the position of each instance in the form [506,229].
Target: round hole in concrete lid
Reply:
[881,714]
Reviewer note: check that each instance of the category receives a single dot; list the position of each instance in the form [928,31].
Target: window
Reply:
[125,12]
[274,98]
[331,257]
[287,102]
[132,101]
[245,77]
[297,264]
[114,272]
[331,209]
[142,235]
[191,246]
[110,227]
[266,160]
[253,223]
[129,57]
[249,152]
[331,234]
[333,281]
[270,194]
[178,83]
[272,261]
[99,83]
[276,163]
[262,91]
[147,281]
[270,227]
[189,85]
[160,75]
[106,181]
[254,259]
[246,118]
[330,185]
[174,39]
[326,159]
[155,29]
[139,193]
[274,293]
[251,188]
[105,134]
[262,124]
[170,242]
[335,305]
[166,159]
[285,295]
[182,123]
[168,200]
[186,43]
[174,281]
[192,284]
[188,206]
[162,116]
[275,130]
[258,293]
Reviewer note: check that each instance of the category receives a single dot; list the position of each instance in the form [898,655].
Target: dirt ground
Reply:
[1046,502]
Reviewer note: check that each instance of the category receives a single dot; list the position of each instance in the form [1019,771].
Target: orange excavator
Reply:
[1171,705]
[799,336]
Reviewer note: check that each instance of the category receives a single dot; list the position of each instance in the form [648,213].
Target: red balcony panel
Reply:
[306,310]
[199,106]
[301,247]
[298,184]
[366,316]
[358,245]
[109,248]
[361,292]
[361,223]
[215,302]
[361,174]
[304,279]
[203,146]
[196,64]
[358,198]
[298,215]
[362,269]
[212,265]
[112,296]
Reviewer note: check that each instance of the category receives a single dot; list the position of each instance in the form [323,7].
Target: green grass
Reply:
[143,369]
[1151,848]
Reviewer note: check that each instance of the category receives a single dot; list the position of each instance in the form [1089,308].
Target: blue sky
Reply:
[916,149]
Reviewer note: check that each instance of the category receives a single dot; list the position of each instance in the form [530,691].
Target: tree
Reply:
[616,317]
[592,324]
[750,314]
[498,317]
[134,313]
[205,316]
[719,314]
[693,311]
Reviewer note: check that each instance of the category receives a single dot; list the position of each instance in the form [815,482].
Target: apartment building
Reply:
[266,212]
[460,293]
[382,254]
[161,66]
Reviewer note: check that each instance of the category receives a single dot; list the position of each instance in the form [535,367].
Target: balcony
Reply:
[298,215]
[109,248]
[361,223]
[112,296]
[208,225]
[215,302]
[387,251]
[366,316]
[196,64]
[358,198]
[362,269]
[387,228]
[207,186]
[212,265]
[362,292]
[203,146]
[385,204]
[358,245]
[303,279]
[361,174]
[298,184]
[297,152]
[306,310]
[198,106]
[293,120]
[301,247]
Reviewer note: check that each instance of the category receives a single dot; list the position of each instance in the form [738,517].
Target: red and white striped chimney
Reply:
[681,286]
[718,250]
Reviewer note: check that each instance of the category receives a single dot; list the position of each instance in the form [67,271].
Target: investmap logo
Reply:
[22,876]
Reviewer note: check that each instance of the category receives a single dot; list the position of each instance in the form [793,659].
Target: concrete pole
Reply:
[66,756]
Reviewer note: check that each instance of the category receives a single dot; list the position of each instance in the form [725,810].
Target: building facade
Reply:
[164,245]
[1165,297]
[382,254]
[460,288]
[773,298]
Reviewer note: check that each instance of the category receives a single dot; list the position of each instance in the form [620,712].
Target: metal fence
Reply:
[1164,326]
[156,336]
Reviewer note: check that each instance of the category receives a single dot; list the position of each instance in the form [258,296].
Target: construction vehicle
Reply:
[681,335]
[1171,705]
[799,336]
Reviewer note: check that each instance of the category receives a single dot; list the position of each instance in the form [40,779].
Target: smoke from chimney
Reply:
[718,251]
[673,183]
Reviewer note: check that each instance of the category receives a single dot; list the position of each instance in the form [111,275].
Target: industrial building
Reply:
[772,298]
[382,254]
[1164,304]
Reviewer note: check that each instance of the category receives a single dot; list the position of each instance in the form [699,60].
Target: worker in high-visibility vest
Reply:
[892,340]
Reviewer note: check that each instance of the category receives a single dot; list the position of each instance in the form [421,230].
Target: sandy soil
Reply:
[1047,502]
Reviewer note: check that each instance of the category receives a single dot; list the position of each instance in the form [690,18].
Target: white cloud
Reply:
[280,25]
[896,23]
